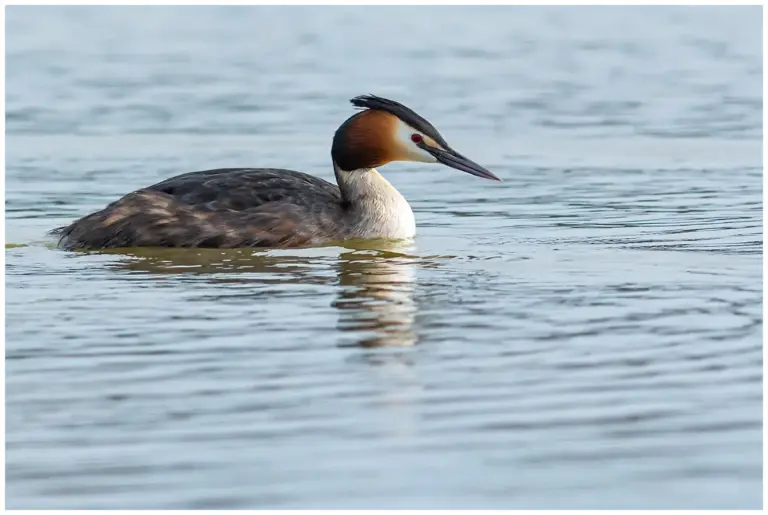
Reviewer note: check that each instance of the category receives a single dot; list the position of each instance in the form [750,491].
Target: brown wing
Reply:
[147,218]
[224,208]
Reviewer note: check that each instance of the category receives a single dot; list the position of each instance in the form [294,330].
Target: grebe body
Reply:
[267,207]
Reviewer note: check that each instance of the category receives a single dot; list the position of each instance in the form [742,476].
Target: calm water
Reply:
[585,334]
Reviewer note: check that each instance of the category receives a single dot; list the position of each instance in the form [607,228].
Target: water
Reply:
[585,334]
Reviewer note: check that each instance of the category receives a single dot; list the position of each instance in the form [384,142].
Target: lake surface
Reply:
[585,334]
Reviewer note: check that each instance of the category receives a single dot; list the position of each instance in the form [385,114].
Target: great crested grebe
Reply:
[266,207]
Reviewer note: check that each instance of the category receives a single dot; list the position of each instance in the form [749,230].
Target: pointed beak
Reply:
[455,160]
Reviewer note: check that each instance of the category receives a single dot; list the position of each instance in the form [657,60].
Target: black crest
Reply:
[404,113]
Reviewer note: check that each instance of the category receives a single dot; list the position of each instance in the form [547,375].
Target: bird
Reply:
[277,208]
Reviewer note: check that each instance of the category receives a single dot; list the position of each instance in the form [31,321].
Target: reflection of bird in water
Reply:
[376,301]
[264,207]
[376,287]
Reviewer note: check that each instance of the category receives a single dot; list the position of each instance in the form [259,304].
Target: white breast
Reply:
[380,210]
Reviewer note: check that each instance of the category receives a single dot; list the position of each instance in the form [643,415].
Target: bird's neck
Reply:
[378,209]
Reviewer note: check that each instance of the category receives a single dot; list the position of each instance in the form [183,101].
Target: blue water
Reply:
[585,334]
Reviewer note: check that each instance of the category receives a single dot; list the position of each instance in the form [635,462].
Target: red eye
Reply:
[416,138]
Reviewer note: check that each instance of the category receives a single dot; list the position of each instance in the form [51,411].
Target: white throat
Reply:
[379,210]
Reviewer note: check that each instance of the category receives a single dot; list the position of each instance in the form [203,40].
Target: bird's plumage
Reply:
[226,208]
